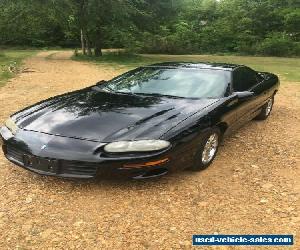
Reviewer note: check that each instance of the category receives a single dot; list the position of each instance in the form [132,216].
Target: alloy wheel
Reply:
[210,148]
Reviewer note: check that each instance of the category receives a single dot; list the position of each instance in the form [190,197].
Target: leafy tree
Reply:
[155,26]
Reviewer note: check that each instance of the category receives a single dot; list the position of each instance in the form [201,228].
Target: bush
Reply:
[297,49]
[278,44]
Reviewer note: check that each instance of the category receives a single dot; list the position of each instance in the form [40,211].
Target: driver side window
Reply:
[243,79]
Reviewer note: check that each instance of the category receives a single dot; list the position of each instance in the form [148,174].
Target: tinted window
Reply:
[188,83]
[243,79]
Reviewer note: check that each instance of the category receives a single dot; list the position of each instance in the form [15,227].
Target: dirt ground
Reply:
[253,186]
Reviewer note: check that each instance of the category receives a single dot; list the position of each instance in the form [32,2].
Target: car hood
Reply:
[101,116]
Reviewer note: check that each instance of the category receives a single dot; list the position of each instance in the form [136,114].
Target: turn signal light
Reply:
[147,164]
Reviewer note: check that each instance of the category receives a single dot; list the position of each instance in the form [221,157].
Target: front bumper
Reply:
[74,158]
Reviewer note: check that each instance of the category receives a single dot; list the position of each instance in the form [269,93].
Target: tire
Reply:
[266,110]
[202,160]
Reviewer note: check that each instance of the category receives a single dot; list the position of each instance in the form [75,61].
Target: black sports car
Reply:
[142,124]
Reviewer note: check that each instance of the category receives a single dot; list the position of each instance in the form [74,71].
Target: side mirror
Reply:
[244,95]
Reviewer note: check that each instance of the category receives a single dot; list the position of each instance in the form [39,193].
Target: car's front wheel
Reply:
[266,110]
[207,150]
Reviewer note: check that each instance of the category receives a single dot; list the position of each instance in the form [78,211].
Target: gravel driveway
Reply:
[253,187]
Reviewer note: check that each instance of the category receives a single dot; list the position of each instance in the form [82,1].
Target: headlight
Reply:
[11,125]
[136,146]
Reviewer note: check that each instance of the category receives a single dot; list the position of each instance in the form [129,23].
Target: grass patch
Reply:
[286,68]
[118,60]
[10,63]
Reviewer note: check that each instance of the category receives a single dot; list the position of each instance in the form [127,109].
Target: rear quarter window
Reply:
[243,79]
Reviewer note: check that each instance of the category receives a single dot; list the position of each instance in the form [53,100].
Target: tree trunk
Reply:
[82,23]
[89,51]
[98,45]
[82,42]
[88,45]
[98,51]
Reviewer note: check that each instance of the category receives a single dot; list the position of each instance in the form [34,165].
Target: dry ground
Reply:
[253,187]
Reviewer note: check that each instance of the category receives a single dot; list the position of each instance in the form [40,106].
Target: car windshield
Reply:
[185,83]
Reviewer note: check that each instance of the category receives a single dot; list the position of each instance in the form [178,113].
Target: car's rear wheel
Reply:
[266,110]
[207,150]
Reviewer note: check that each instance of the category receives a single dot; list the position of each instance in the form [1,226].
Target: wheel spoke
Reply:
[269,107]
[210,148]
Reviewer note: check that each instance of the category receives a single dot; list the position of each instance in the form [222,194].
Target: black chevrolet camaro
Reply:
[142,124]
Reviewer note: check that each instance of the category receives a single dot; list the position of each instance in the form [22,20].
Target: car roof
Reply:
[197,65]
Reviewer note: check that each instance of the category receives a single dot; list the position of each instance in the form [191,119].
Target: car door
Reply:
[244,79]
[261,92]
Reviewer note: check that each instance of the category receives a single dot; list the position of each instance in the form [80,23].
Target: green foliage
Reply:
[28,23]
[292,23]
[267,27]
[279,44]
[228,26]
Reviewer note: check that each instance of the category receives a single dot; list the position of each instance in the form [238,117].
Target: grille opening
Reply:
[79,168]
[153,173]
[14,153]
[74,168]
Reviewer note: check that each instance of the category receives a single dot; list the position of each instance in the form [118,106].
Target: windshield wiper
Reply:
[157,94]
[110,90]
[103,89]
